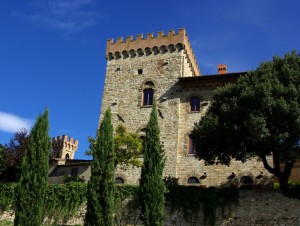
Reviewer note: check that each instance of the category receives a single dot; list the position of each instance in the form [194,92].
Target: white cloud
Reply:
[11,123]
[68,16]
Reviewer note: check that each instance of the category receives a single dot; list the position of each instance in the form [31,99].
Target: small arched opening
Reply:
[119,180]
[193,180]
[246,182]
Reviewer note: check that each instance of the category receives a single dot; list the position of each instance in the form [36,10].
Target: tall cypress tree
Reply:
[101,187]
[33,181]
[152,187]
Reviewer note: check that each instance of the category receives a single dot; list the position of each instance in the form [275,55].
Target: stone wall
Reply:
[162,62]
[255,208]
[123,93]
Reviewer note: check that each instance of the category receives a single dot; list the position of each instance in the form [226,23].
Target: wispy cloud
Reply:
[11,123]
[68,16]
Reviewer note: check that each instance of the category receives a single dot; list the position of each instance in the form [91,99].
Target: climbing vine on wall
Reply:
[63,200]
[189,200]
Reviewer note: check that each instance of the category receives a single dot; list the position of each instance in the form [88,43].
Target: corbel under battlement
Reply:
[162,42]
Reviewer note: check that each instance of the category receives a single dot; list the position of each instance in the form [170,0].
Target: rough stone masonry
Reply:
[164,69]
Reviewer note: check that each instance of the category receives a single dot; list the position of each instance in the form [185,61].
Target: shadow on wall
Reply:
[247,180]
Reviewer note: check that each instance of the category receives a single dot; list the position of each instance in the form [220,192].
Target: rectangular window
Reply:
[148,97]
[195,104]
[140,71]
[191,148]
[74,172]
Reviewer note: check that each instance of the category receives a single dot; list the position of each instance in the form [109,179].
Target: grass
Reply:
[6,223]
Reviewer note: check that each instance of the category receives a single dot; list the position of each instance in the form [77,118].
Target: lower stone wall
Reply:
[255,208]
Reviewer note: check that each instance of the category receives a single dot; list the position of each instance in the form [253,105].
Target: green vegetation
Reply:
[128,147]
[152,187]
[62,201]
[1,159]
[100,194]
[7,195]
[32,186]
[258,116]
[11,156]
[190,199]
[6,223]
[294,189]
[69,179]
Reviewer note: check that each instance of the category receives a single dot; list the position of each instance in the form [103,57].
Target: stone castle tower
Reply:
[63,147]
[164,69]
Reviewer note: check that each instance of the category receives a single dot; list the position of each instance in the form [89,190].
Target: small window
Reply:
[74,172]
[191,147]
[148,97]
[193,180]
[195,104]
[67,156]
[140,71]
[119,180]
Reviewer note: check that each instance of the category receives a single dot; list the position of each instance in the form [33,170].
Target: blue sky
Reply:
[52,52]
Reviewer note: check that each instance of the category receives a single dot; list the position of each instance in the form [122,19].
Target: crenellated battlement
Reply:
[64,142]
[162,43]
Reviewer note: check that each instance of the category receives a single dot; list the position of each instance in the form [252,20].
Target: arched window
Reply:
[148,93]
[191,147]
[119,180]
[195,104]
[67,156]
[193,180]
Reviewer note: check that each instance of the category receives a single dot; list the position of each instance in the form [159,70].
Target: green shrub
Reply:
[7,195]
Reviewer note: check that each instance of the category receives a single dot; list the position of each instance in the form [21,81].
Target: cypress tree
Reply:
[101,190]
[33,181]
[152,187]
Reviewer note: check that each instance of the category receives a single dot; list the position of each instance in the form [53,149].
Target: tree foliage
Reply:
[1,159]
[128,148]
[101,187]
[12,155]
[257,116]
[32,186]
[152,187]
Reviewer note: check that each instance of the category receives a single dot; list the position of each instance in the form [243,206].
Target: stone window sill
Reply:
[146,106]
[190,155]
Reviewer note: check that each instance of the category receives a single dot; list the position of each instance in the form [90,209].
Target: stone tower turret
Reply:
[146,69]
[64,148]
[157,46]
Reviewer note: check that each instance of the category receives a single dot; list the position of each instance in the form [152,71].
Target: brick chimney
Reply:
[222,69]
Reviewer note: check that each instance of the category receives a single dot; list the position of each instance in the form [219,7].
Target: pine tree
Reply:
[152,187]
[33,181]
[101,190]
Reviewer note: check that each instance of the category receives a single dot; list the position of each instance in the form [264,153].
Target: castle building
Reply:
[164,68]
[63,164]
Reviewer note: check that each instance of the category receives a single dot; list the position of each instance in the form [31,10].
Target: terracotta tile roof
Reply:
[212,77]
